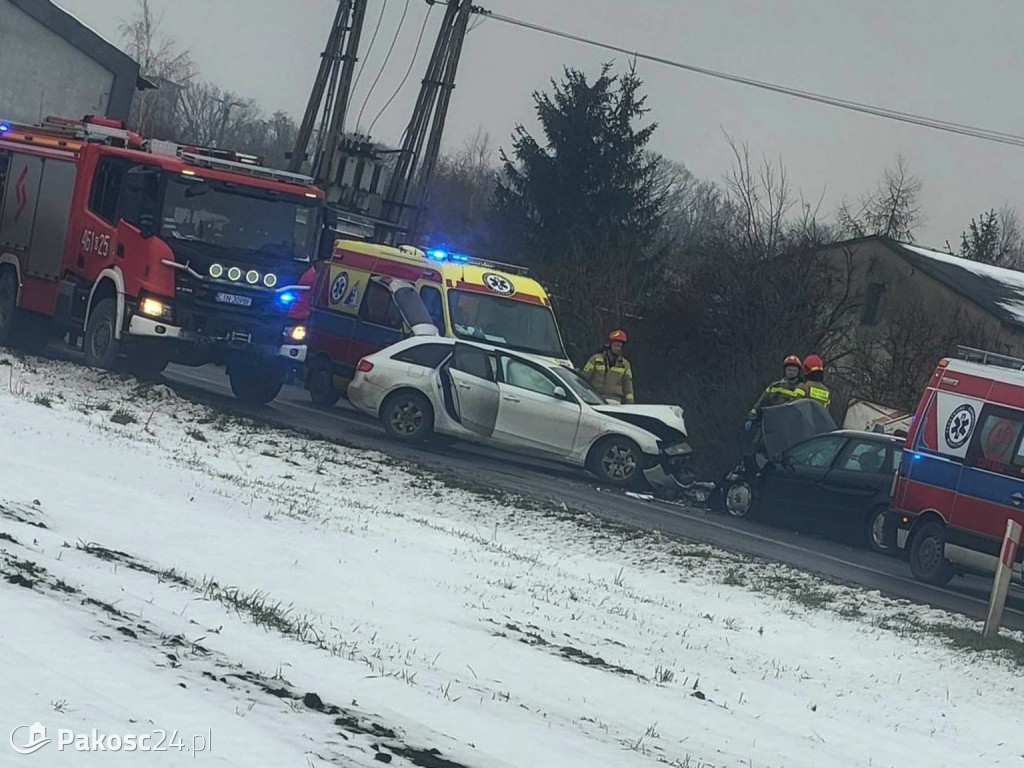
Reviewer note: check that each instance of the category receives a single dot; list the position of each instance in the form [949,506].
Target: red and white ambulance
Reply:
[962,473]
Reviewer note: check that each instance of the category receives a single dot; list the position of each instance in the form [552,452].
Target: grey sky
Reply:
[957,61]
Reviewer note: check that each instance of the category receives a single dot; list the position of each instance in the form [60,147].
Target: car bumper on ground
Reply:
[670,469]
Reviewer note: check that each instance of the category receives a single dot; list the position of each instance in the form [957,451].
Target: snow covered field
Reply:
[295,603]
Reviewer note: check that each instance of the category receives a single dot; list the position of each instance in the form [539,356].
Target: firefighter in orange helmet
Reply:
[785,390]
[814,381]
[609,372]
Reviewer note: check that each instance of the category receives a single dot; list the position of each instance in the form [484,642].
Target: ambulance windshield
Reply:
[240,218]
[505,322]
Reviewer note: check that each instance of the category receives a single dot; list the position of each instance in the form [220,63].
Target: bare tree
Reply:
[893,209]
[161,61]
[460,195]
[762,197]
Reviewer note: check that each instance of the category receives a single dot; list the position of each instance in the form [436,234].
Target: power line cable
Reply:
[369,48]
[962,129]
[383,66]
[405,78]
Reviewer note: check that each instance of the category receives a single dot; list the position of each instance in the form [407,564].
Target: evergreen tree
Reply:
[583,205]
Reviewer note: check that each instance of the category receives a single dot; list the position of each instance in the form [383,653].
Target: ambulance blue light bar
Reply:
[438,254]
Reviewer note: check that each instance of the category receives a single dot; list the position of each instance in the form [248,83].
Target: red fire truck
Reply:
[143,252]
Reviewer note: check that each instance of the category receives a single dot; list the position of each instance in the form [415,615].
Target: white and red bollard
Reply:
[1001,584]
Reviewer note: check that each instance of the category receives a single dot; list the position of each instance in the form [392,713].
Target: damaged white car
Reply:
[428,385]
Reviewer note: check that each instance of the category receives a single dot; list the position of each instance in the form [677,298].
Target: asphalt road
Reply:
[552,482]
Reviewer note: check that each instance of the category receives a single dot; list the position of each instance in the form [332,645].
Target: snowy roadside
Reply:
[168,567]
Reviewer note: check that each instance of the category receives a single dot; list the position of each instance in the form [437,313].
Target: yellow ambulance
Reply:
[353,312]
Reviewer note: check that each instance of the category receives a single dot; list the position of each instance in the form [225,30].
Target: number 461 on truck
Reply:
[144,252]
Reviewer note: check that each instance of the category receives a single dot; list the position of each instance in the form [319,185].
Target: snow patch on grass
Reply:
[313,603]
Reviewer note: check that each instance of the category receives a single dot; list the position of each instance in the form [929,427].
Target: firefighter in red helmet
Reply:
[814,381]
[609,372]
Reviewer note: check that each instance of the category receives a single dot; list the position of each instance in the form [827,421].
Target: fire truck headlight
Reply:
[297,333]
[252,277]
[216,271]
[234,274]
[156,308]
[270,280]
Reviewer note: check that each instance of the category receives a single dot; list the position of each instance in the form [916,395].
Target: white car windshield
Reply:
[580,386]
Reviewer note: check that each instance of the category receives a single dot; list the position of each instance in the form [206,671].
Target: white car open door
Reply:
[470,377]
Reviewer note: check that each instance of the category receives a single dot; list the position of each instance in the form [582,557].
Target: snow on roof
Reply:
[996,289]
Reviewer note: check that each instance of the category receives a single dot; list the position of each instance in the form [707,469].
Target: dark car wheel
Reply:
[928,560]
[321,383]
[739,498]
[408,416]
[877,533]
[617,461]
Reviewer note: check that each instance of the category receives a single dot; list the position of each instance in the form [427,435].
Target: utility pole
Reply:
[418,155]
[352,169]
[331,92]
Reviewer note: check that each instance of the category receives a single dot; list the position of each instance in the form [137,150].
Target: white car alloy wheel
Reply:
[407,418]
[619,461]
[739,499]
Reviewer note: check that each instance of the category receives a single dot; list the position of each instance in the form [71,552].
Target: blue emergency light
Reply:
[439,254]
[5,127]
[287,298]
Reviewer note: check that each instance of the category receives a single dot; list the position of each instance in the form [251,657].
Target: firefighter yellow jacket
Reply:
[817,391]
[782,391]
[610,375]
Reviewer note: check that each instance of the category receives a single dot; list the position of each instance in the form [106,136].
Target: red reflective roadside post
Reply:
[1001,584]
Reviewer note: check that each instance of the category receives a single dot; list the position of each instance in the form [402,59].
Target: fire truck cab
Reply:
[143,252]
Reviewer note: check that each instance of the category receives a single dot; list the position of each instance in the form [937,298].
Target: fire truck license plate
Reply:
[230,298]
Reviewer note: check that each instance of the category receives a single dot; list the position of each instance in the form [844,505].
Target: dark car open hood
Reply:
[786,425]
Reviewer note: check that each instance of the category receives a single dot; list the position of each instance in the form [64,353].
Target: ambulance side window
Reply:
[379,307]
[996,443]
[432,299]
[106,188]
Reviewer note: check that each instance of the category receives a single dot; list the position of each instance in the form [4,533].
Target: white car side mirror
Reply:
[612,401]
[560,393]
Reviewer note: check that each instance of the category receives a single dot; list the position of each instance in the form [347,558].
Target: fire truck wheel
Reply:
[321,383]
[256,385]
[101,344]
[927,554]
[8,299]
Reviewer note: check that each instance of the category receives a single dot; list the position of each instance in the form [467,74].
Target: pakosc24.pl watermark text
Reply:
[27,739]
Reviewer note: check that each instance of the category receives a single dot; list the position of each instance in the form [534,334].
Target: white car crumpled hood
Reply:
[669,415]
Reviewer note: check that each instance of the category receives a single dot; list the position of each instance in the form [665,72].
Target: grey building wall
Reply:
[53,65]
